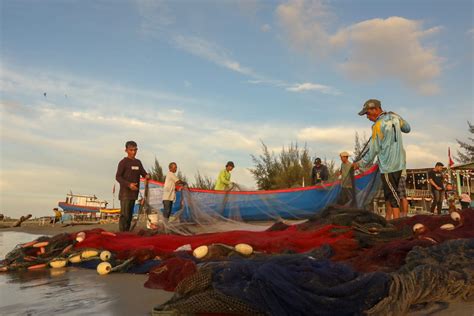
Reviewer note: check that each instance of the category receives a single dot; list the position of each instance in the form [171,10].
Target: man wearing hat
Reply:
[319,173]
[346,181]
[386,143]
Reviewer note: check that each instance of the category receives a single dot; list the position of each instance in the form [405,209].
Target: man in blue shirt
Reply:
[386,143]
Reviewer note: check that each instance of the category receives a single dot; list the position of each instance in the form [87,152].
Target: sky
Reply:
[204,82]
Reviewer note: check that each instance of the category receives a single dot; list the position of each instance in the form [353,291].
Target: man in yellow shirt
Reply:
[223,179]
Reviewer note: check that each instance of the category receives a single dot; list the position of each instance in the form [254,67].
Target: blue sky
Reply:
[203,82]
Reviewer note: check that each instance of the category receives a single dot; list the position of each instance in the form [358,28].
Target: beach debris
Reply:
[21,220]
[38,266]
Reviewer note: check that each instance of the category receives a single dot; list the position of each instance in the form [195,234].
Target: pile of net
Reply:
[343,261]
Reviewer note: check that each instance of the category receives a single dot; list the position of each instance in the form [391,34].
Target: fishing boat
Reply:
[82,204]
[294,203]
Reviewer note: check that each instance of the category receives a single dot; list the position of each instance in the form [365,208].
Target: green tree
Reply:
[156,172]
[203,182]
[291,168]
[181,176]
[467,153]
[359,144]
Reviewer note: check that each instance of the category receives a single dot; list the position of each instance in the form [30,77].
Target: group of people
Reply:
[129,171]
[385,143]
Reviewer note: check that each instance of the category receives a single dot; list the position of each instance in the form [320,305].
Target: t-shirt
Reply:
[345,175]
[169,189]
[129,171]
[319,173]
[437,177]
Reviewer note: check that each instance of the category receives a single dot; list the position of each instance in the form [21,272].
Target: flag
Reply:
[450,161]
[113,189]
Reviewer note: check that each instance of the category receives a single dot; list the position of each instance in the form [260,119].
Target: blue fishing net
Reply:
[300,285]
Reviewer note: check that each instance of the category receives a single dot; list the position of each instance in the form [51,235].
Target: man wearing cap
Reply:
[319,173]
[386,143]
[223,179]
[346,181]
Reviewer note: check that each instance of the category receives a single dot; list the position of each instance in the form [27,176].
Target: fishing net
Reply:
[281,285]
[289,240]
[201,211]
[441,273]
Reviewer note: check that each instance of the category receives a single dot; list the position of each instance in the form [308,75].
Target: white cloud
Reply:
[374,49]
[307,86]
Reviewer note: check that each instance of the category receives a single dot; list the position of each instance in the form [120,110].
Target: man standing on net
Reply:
[386,143]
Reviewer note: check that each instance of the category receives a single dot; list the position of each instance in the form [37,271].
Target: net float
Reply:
[419,228]
[244,249]
[65,250]
[105,255]
[447,226]
[75,258]
[89,254]
[37,266]
[80,236]
[104,268]
[108,234]
[29,244]
[456,216]
[41,244]
[58,263]
[201,252]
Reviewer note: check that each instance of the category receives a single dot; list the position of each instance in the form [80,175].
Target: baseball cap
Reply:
[370,104]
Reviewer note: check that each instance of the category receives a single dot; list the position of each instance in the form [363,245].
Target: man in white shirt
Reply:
[169,189]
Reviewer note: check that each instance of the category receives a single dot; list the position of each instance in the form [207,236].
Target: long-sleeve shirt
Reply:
[223,180]
[129,171]
[386,143]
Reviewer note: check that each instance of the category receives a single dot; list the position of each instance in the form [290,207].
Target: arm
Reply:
[313,176]
[404,126]
[374,145]
[325,174]
[143,172]
[119,174]
[433,184]
[223,179]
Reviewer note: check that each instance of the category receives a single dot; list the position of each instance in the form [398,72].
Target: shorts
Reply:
[390,187]
[402,188]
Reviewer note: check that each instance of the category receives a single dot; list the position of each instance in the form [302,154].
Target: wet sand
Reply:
[48,229]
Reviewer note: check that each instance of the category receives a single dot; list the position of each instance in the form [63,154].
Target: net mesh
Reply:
[203,211]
